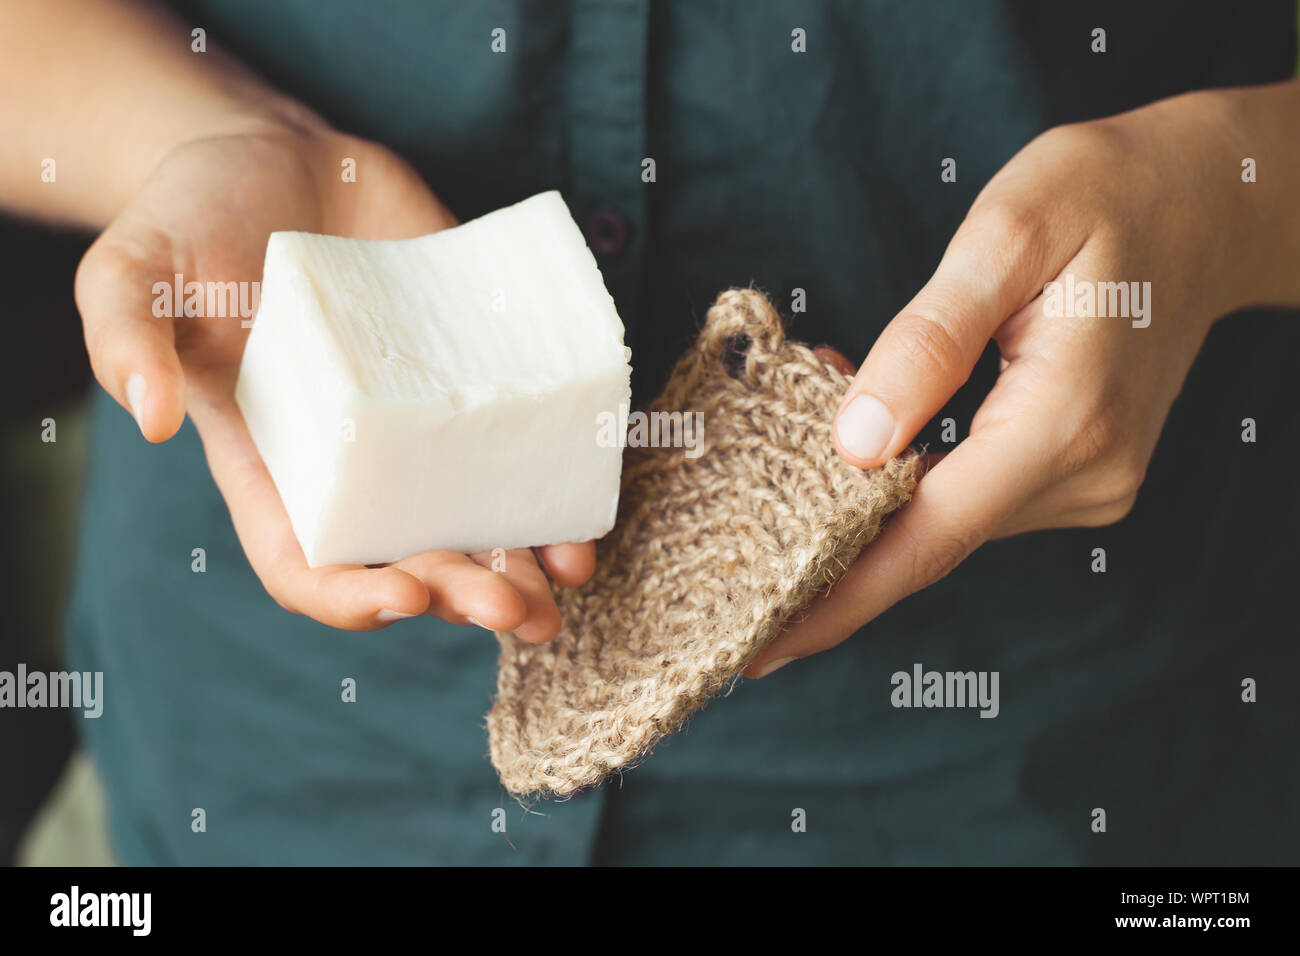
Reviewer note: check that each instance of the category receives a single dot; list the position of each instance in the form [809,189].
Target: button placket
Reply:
[607,100]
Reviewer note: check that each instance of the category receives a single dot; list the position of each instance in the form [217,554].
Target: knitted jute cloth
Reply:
[709,557]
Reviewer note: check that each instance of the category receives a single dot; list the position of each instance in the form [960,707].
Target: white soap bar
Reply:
[439,393]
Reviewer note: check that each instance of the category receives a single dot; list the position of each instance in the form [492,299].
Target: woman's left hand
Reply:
[1154,201]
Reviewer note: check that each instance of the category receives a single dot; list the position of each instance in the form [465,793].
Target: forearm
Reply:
[1250,210]
[1269,133]
[104,89]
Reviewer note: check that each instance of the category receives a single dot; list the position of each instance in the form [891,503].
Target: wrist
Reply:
[1249,198]
[261,113]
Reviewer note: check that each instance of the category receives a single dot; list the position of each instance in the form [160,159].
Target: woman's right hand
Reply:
[205,213]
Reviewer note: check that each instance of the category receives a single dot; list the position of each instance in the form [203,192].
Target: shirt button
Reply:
[607,231]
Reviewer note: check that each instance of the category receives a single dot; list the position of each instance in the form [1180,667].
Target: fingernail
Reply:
[865,427]
[475,622]
[135,389]
[771,666]
[387,616]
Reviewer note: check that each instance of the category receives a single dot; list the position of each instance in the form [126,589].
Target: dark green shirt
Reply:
[819,171]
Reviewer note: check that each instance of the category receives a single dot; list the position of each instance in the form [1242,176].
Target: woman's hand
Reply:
[205,213]
[1153,199]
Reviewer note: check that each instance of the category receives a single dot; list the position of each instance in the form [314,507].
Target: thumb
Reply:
[132,351]
[991,269]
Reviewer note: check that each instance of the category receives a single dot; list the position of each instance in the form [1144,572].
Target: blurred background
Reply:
[46,376]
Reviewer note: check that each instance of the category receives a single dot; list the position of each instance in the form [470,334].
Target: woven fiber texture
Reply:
[709,557]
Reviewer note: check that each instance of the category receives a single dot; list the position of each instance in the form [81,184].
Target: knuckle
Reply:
[1006,240]
[1111,512]
[1061,138]
[1105,470]
[1089,138]
[279,598]
[1088,441]
[930,349]
[1120,484]
[1012,229]
[94,261]
[934,557]
[104,261]
[97,285]
[1111,489]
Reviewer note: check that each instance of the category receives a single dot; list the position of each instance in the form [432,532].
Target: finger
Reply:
[131,350]
[399,213]
[542,620]
[957,506]
[343,596]
[464,591]
[349,597]
[569,565]
[835,359]
[996,263]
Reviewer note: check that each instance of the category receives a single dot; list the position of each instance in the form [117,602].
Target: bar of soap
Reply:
[448,392]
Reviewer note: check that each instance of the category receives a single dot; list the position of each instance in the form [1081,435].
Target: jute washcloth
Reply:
[709,557]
